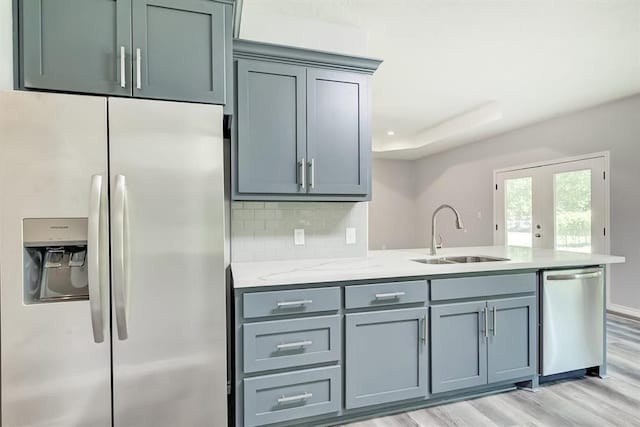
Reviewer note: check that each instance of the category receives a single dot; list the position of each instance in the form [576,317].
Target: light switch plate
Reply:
[298,236]
[350,236]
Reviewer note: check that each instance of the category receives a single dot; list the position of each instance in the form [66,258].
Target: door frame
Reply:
[607,190]
[605,155]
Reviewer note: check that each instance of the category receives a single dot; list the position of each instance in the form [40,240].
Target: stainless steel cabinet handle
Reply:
[486,322]
[390,295]
[119,248]
[303,174]
[312,181]
[93,259]
[291,303]
[495,320]
[294,345]
[576,276]
[424,330]
[123,82]
[138,71]
[303,396]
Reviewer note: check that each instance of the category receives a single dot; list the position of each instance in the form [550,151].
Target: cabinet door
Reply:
[76,45]
[458,346]
[179,50]
[271,140]
[386,356]
[338,132]
[512,342]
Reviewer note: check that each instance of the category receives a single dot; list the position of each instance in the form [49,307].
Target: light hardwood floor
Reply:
[614,401]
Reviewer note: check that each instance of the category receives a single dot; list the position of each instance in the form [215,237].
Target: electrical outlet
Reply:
[350,236]
[298,236]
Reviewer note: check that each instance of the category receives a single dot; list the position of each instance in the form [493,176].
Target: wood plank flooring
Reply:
[614,401]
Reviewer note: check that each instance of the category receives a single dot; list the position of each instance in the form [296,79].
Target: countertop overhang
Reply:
[399,263]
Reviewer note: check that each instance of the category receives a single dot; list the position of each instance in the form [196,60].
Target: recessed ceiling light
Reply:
[390,133]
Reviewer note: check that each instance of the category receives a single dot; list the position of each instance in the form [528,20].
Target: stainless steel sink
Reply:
[460,259]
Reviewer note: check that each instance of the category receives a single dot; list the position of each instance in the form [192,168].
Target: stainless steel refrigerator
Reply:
[111,262]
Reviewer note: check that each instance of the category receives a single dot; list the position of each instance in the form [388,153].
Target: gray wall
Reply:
[464,178]
[393,210]
[6,45]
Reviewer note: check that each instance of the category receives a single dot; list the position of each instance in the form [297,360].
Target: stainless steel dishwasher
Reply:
[572,320]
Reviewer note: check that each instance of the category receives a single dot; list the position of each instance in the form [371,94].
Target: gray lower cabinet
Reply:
[179,50]
[458,346]
[291,343]
[161,49]
[386,356]
[482,342]
[292,395]
[75,45]
[271,128]
[338,132]
[512,342]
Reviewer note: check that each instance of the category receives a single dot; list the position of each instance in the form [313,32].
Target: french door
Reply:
[560,205]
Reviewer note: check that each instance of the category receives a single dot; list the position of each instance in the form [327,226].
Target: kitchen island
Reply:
[323,341]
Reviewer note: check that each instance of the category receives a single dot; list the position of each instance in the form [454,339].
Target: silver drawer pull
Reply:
[390,295]
[577,276]
[303,396]
[294,345]
[292,303]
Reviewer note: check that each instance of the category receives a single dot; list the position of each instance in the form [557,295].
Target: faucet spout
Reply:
[459,225]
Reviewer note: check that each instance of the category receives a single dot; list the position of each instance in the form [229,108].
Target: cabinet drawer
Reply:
[292,395]
[380,294]
[277,303]
[482,286]
[288,343]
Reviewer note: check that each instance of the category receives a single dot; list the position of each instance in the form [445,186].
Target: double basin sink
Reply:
[459,259]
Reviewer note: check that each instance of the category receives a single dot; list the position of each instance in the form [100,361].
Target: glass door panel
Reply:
[572,211]
[518,211]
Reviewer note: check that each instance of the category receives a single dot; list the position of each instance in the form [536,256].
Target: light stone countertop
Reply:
[398,263]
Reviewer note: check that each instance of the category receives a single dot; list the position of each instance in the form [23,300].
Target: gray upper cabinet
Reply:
[303,128]
[162,49]
[179,50]
[271,125]
[458,346]
[512,342]
[338,132]
[76,45]
[386,356]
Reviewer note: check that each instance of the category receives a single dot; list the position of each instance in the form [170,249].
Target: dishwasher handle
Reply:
[576,276]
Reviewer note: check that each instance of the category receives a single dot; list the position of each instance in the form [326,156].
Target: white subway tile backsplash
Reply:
[263,231]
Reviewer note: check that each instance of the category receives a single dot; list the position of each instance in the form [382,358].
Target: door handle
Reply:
[486,322]
[303,174]
[424,330]
[93,259]
[495,320]
[576,276]
[312,181]
[138,70]
[123,82]
[120,248]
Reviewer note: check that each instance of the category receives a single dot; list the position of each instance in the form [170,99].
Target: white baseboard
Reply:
[624,310]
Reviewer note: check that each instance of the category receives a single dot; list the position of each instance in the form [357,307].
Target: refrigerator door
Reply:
[169,344]
[54,373]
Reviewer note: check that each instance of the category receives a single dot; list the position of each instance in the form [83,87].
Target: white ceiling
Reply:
[533,59]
